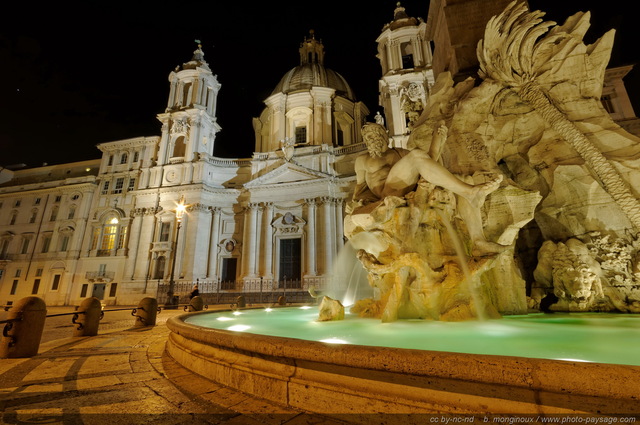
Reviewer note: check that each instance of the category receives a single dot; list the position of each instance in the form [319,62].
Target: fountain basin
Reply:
[344,378]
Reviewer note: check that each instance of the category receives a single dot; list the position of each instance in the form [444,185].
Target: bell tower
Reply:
[407,75]
[189,124]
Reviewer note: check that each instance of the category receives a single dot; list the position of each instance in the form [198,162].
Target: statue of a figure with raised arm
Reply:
[395,172]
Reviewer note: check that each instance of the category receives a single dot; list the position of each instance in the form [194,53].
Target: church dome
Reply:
[312,73]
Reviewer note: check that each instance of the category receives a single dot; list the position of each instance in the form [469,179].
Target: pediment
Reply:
[287,173]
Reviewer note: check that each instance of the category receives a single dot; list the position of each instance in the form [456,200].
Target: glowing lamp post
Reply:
[171,303]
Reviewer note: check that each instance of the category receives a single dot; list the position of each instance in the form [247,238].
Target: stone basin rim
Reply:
[525,372]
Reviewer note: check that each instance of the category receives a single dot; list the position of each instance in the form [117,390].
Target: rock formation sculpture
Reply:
[522,164]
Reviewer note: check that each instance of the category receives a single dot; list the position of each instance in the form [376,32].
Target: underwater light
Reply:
[224,318]
[334,341]
[238,328]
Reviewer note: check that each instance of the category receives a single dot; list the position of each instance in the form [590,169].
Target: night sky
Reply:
[74,75]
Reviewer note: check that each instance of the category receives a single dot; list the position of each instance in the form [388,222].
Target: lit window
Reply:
[109,237]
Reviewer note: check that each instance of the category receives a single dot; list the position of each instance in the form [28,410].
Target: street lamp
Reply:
[171,303]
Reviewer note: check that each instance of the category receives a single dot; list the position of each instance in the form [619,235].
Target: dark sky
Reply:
[73,75]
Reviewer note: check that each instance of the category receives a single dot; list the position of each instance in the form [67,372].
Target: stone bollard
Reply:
[88,317]
[241,302]
[282,300]
[146,312]
[196,304]
[22,337]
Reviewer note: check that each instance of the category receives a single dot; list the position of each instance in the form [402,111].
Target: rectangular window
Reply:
[14,287]
[38,272]
[105,187]
[164,231]
[136,156]
[83,291]
[64,243]
[25,246]
[1,273]
[58,198]
[34,214]
[132,183]
[17,203]
[119,184]
[110,160]
[4,247]
[72,212]
[36,287]
[122,236]
[56,282]
[18,272]
[96,236]
[14,216]
[54,214]
[37,201]
[46,241]
[301,134]
[113,289]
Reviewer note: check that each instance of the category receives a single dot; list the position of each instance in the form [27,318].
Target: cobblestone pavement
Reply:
[123,376]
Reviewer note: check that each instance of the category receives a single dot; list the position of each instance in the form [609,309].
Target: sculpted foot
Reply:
[480,192]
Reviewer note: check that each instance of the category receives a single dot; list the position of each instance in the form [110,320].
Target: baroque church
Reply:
[154,215]
[154,211]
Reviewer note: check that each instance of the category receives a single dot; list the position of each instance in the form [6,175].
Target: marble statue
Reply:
[515,186]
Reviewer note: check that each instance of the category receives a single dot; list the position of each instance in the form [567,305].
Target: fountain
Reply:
[525,162]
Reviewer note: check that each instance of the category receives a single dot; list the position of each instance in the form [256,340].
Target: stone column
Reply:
[146,239]
[258,240]
[339,225]
[200,239]
[311,237]
[134,242]
[249,243]
[214,240]
[268,241]
[329,234]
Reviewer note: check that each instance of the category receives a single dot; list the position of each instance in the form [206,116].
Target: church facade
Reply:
[154,211]
[153,215]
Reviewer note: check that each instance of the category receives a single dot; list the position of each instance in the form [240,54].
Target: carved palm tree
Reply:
[521,52]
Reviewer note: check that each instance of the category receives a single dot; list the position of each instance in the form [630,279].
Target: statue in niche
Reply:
[379,119]
[412,101]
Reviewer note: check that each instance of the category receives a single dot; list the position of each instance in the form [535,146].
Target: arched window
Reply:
[123,158]
[179,148]
[109,237]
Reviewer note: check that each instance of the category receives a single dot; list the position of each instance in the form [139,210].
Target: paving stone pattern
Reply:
[123,376]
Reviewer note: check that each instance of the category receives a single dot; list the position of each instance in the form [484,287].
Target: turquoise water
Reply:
[588,337]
